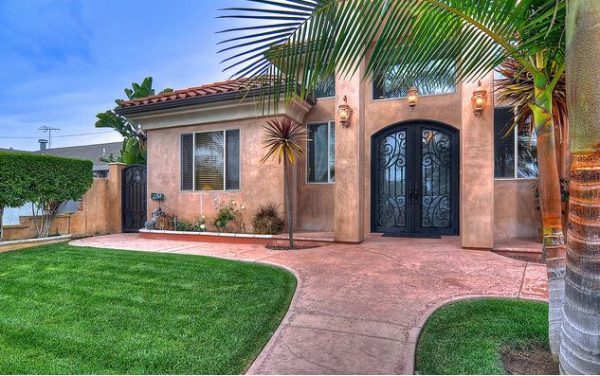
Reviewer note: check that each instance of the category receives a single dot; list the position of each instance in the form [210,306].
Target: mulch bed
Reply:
[533,360]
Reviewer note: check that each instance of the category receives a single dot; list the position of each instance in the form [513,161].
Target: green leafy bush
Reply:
[266,220]
[229,212]
[44,180]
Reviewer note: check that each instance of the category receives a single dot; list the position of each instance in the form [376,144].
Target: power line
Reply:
[49,130]
[59,136]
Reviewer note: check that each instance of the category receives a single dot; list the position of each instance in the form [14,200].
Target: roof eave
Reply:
[239,95]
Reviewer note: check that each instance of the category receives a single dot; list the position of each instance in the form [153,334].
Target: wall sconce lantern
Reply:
[478,100]
[412,97]
[345,113]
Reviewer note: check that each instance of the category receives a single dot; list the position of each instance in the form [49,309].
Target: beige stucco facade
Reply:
[490,210]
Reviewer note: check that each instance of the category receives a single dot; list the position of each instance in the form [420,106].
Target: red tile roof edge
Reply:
[222,87]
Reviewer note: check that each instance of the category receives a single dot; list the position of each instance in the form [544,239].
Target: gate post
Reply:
[115,206]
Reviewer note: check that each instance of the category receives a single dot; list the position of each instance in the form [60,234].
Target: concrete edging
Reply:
[415,333]
[219,234]
[13,245]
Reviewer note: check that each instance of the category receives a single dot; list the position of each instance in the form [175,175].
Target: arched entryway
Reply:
[415,179]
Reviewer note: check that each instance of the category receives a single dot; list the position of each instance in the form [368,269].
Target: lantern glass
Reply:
[344,115]
[478,101]
[412,97]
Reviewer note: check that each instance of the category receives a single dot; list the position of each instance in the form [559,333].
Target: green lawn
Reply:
[70,310]
[467,337]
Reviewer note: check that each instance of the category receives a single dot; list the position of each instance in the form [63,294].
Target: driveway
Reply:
[359,308]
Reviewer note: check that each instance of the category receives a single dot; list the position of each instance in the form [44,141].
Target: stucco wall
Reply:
[316,202]
[261,183]
[92,218]
[516,213]
[383,113]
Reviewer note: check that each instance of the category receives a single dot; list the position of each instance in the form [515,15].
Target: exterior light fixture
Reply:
[345,113]
[412,97]
[478,100]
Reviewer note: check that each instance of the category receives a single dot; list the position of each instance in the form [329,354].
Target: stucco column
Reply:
[477,170]
[349,166]
[114,197]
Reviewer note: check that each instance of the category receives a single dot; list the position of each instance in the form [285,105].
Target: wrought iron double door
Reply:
[415,182]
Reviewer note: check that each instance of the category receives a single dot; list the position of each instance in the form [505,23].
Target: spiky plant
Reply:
[284,140]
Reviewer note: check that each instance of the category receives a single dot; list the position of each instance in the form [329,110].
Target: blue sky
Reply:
[63,61]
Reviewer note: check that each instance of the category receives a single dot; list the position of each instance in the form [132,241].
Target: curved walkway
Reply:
[360,308]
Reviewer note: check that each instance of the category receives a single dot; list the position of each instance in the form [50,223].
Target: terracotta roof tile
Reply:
[216,88]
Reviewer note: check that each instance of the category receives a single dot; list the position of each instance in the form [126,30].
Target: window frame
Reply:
[330,124]
[224,131]
[515,155]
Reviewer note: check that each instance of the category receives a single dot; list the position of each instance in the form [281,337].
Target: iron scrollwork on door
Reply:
[415,179]
[391,196]
[436,179]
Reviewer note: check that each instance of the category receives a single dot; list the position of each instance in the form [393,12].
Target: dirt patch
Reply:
[532,360]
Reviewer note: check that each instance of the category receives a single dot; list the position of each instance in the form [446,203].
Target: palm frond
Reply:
[302,41]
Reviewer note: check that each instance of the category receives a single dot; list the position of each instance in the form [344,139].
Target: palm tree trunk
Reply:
[288,201]
[551,208]
[580,345]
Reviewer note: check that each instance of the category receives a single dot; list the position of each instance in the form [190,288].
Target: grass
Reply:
[467,337]
[70,310]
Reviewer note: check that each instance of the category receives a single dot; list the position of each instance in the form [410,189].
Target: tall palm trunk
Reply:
[580,345]
[550,203]
[288,201]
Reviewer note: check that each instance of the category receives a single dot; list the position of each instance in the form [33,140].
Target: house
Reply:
[418,166]
[96,153]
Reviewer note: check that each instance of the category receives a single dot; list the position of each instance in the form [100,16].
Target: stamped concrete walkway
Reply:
[359,308]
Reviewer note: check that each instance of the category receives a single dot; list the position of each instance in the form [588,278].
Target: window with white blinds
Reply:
[210,161]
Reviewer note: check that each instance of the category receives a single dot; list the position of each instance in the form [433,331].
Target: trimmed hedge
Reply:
[28,177]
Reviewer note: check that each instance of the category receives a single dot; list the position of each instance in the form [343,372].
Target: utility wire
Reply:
[57,136]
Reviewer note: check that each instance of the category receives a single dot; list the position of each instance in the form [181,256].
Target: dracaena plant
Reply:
[283,140]
[293,44]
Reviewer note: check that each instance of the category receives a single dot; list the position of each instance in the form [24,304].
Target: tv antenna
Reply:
[49,130]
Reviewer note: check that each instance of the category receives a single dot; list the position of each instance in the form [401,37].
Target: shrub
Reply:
[45,180]
[229,213]
[267,221]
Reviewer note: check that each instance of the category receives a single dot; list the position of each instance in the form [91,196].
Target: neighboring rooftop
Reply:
[11,149]
[88,152]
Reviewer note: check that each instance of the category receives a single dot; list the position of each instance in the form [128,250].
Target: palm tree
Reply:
[299,42]
[283,140]
[516,88]
[580,345]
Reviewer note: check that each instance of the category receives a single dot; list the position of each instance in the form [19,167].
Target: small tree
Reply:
[13,189]
[45,181]
[284,140]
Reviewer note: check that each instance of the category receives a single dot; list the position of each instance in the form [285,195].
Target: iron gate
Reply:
[134,198]
[415,179]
